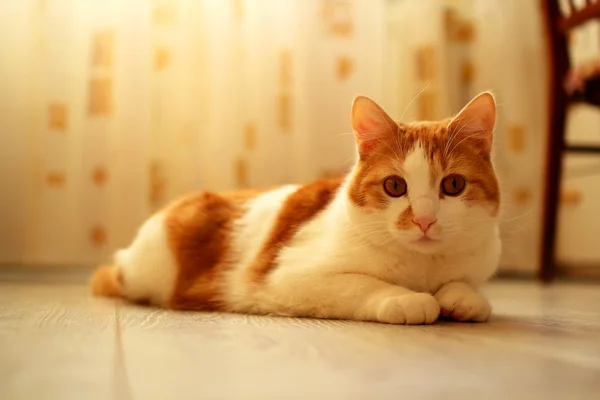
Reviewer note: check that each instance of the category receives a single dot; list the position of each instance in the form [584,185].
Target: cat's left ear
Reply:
[475,122]
[371,125]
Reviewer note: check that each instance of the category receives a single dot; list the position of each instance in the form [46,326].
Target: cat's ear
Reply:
[475,122]
[371,124]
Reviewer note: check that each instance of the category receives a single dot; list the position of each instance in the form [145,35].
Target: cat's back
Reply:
[202,249]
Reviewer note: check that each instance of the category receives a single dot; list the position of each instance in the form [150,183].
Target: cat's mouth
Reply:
[426,240]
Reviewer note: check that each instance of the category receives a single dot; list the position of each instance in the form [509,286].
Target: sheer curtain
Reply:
[111,108]
[510,57]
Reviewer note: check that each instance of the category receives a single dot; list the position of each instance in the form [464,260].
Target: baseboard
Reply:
[580,272]
[44,274]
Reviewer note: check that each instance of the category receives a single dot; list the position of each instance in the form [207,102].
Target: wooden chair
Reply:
[558,26]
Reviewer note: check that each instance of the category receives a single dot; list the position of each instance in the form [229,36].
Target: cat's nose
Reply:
[424,221]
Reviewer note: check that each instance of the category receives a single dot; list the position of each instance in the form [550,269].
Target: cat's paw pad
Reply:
[463,306]
[409,309]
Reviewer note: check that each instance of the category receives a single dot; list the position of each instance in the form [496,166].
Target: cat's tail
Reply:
[107,281]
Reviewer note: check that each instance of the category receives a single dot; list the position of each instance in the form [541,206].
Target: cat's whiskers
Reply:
[502,220]
[468,137]
[523,215]
[365,234]
[395,153]
[376,239]
[455,135]
[396,156]
[382,155]
[451,137]
[364,224]
[413,100]
[359,235]
[372,241]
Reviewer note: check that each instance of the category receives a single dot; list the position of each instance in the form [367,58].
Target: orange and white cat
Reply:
[406,236]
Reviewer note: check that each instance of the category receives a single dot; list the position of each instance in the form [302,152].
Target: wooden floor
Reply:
[56,342]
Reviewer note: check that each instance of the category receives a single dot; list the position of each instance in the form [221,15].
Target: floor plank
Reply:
[55,343]
[58,342]
[541,343]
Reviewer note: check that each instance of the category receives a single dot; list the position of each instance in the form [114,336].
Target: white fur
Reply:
[250,233]
[148,266]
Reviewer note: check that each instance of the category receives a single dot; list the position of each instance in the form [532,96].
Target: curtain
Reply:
[112,108]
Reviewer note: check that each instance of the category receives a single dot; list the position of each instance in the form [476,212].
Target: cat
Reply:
[404,238]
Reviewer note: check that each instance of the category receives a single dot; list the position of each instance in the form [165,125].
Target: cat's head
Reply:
[430,186]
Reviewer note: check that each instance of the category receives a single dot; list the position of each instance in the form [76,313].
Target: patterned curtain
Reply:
[112,108]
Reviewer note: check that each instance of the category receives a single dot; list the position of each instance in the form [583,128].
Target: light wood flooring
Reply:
[57,342]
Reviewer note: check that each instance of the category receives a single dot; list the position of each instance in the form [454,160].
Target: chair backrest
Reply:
[556,43]
[560,18]
[573,16]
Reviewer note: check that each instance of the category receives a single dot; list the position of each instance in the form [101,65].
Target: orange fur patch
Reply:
[299,208]
[107,281]
[405,220]
[199,231]
[364,188]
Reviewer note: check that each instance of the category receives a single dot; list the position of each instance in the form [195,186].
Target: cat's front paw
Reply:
[462,304]
[409,309]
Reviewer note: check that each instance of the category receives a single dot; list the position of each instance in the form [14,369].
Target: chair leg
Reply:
[558,104]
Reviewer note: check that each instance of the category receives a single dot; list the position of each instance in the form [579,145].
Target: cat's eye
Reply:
[453,185]
[394,186]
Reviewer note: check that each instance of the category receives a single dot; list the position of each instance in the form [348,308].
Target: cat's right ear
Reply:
[371,124]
